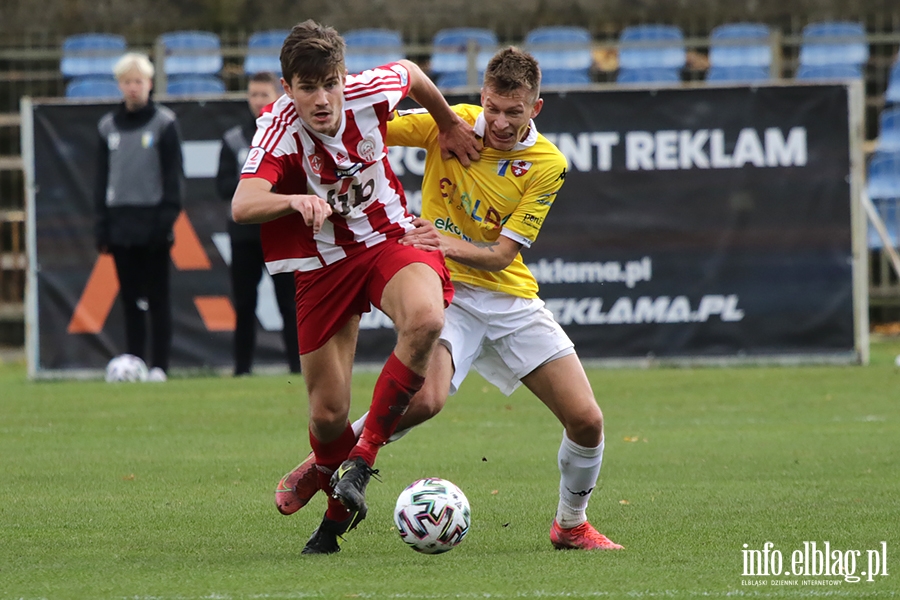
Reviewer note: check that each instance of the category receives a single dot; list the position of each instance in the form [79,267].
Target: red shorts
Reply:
[328,297]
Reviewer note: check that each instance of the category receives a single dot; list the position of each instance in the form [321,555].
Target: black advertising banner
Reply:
[705,222]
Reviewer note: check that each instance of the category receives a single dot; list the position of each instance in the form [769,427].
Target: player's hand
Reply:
[460,141]
[424,237]
[314,210]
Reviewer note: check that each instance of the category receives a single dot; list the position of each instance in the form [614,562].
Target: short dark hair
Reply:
[267,77]
[312,51]
[511,69]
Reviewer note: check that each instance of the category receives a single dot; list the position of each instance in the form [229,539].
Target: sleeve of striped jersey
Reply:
[528,218]
[269,136]
[390,81]
[412,128]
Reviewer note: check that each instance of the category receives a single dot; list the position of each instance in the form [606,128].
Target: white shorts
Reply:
[504,337]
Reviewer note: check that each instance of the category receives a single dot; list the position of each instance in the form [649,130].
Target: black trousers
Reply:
[247,264]
[143,273]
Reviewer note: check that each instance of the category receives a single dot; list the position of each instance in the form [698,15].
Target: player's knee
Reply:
[329,414]
[426,404]
[423,329]
[586,428]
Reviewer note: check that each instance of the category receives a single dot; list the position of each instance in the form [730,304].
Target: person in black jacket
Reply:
[246,250]
[139,188]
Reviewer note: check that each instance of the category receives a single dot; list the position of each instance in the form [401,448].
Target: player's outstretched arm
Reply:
[255,202]
[488,256]
[456,137]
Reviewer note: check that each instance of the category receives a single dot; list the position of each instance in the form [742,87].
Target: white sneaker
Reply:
[156,374]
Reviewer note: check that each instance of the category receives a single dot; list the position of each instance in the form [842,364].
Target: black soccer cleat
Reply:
[349,483]
[325,539]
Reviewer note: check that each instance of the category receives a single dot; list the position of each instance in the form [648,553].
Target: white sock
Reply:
[360,423]
[579,468]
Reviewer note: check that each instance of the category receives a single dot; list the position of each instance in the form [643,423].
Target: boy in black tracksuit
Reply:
[138,196]
[247,260]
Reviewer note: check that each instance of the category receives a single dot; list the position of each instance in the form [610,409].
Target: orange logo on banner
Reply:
[102,286]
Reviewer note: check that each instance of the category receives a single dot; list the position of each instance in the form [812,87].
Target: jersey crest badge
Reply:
[316,163]
[519,167]
[366,150]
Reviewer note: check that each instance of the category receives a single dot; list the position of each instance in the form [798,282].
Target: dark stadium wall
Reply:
[418,20]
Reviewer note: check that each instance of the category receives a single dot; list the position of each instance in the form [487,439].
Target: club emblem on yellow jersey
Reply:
[520,167]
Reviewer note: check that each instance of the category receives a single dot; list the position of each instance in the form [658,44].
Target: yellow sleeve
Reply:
[412,128]
[539,195]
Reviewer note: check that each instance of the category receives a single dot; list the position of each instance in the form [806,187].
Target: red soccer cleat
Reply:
[297,487]
[582,537]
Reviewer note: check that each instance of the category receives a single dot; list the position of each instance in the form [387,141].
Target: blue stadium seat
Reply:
[889,130]
[90,54]
[892,93]
[829,72]
[559,77]
[884,175]
[738,74]
[651,47]
[883,188]
[450,53]
[740,45]
[889,212]
[370,48]
[456,79]
[194,85]
[191,53]
[264,52]
[648,76]
[93,86]
[834,43]
[564,53]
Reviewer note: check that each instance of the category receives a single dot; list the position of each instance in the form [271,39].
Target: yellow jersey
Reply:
[508,192]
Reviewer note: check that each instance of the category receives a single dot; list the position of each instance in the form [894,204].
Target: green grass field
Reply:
[164,491]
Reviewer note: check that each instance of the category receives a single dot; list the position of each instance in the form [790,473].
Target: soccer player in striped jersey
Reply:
[480,217]
[318,179]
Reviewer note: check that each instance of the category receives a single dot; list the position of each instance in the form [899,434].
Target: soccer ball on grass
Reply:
[432,515]
[126,367]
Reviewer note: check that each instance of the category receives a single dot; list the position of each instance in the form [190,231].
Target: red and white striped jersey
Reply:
[350,171]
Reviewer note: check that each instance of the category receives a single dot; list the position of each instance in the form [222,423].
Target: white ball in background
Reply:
[897,360]
[126,367]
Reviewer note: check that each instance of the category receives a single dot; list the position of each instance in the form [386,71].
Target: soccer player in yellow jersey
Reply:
[481,216]
[486,213]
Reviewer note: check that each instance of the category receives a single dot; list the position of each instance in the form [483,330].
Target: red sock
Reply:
[393,390]
[329,456]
